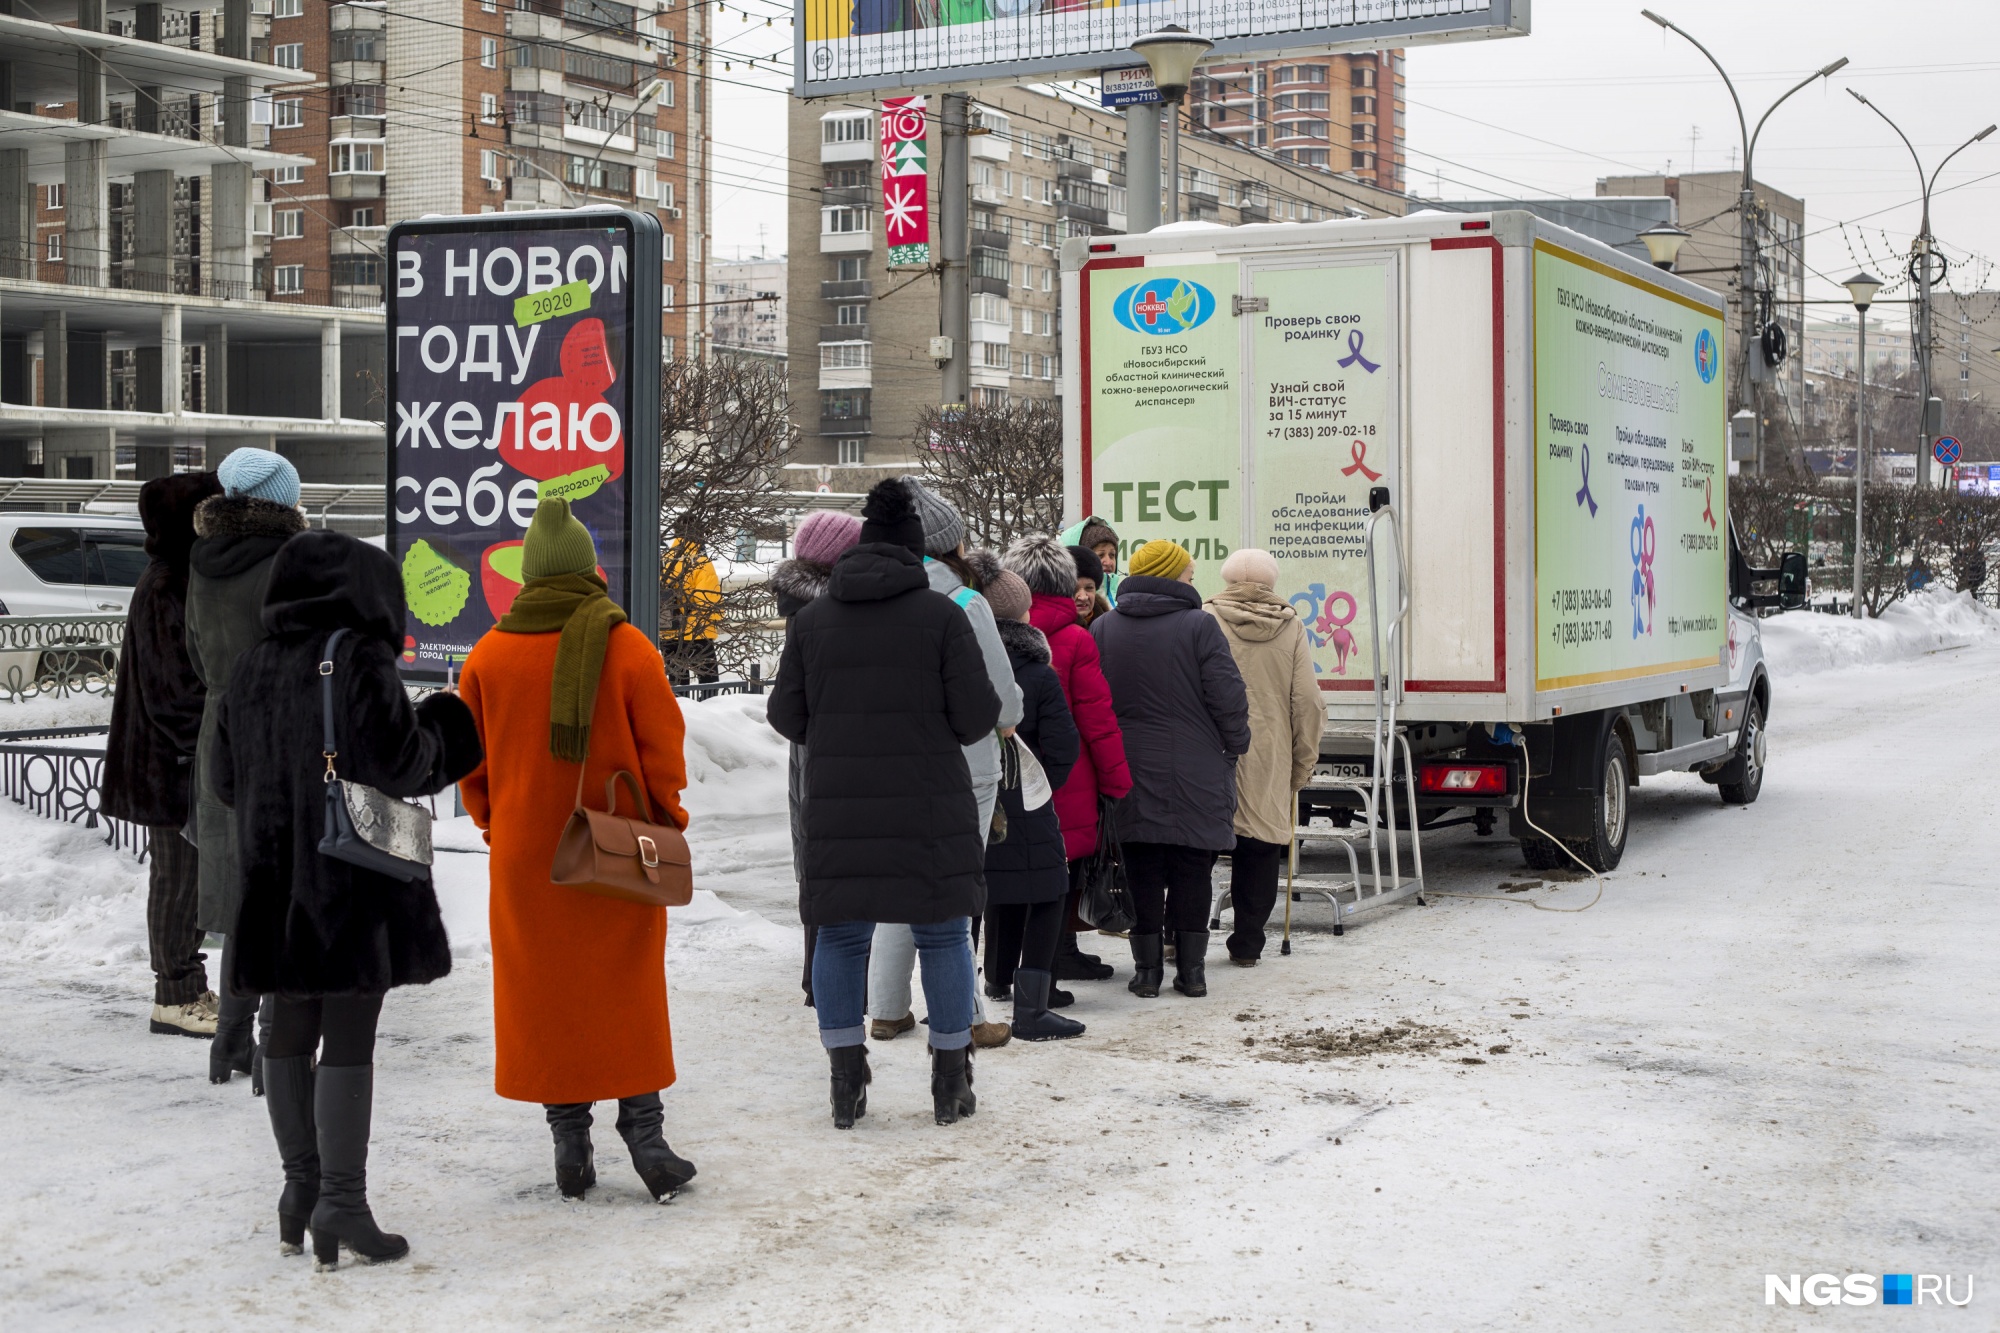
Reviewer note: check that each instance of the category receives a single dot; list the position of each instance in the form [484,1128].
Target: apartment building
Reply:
[138,329]
[1043,168]
[1965,348]
[1833,348]
[747,310]
[1341,113]
[482,106]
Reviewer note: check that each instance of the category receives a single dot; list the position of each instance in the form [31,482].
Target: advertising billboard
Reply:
[1631,475]
[524,363]
[860,46]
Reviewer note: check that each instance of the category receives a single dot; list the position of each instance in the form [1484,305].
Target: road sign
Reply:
[527,365]
[1945,449]
[1127,87]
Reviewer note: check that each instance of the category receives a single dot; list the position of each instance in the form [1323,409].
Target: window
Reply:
[289,279]
[843,404]
[489,107]
[361,217]
[1048,323]
[1362,106]
[351,156]
[287,9]
[356,44]
[490,169]
[850,270]
[260,109]
[1363,76]
[666,296]
[1357,133]
[843,220]
[1048,279]
[489,52]
[357,271]
[358,99]
[858,314]
[54,250]
[1300,74]
[80,555]
[489,6]
[292,175]
[1301,102]
[850,450]
[288,113]
[288,224]
[989,398]
[1027,321]
[846,129]
[55,196]
[666,143]
[666,191]
[992,356]
[666,247]
[848,356]
[667,93]
[1364,162]
[289,55]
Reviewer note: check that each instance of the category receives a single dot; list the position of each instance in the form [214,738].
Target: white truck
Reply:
[1491,458]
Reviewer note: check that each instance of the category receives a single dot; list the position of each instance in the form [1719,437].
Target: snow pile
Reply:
[49,712]
[1802,643]
[66,896]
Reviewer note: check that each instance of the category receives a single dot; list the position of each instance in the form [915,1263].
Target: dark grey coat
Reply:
[797,584]
[1183,711]
[237,537]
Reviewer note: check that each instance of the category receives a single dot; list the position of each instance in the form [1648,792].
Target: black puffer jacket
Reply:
[156,716]
[229,569]
[1028,866]
[883,682]
[1183,711]
[310,925]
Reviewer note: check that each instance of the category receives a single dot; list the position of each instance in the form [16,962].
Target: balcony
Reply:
[343,72]
[1083,213]
[1072,169]
[847,425]
[858,290]
[843,333]
[846,242]
[355,185]
[847,196]
[990,240]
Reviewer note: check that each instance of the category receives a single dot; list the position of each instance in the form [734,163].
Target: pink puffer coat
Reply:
[1100,768]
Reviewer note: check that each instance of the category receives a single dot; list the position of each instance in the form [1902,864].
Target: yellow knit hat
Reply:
[1160,559]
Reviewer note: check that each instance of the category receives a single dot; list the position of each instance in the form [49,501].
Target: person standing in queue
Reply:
[149,761]
[237,536]
[1096,536]
[566,693]
[1185,719]
[326,939]
[1268,642]
[884,684]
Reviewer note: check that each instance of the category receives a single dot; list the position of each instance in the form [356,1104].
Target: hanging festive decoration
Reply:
[906,220]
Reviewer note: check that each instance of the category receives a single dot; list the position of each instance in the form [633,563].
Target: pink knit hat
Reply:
[824,535]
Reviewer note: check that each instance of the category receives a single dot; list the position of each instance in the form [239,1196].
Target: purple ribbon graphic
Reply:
[1583,495]
[1354,353]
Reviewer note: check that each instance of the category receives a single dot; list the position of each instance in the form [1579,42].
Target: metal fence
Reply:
[58,656]
[61,782]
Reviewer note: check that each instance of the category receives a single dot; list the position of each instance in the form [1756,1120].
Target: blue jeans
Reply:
[840,978]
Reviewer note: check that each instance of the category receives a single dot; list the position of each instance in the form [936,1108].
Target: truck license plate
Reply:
[1339,772]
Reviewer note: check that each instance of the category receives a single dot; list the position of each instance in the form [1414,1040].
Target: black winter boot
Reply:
[343,1106]
[851,1077]
[1190,955]
[576,1166]
[1072,964]
[233,1048]
[1032,1019]
[951,1083]
[1147,969]
[639,1120]
[290,1103]
[1058,997]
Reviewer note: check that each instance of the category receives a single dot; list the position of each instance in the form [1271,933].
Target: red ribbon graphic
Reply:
[1359,453]
[1708,502]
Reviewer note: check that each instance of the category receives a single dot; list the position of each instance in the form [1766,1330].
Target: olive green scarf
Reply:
[580,607]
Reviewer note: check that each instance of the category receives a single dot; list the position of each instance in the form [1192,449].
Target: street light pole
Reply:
[1171,53]
[1861,288]
[1746,219]
[1920,265]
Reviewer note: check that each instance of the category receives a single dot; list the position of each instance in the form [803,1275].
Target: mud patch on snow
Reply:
[1406,1037]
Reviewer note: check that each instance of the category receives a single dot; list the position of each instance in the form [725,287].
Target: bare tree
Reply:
[1002,467]
[725,431]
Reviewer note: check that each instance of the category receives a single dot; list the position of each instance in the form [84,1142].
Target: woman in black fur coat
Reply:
[329,939]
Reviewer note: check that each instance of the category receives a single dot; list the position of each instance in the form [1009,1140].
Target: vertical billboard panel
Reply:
[1631,476]
[524,363]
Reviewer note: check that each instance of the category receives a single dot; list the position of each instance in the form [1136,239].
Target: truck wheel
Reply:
[1611,807]
[1748,767]
[1542,854]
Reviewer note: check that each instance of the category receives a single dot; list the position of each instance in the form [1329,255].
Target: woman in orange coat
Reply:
[579,981]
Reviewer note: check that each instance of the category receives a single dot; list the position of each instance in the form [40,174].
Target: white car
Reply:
[69,564]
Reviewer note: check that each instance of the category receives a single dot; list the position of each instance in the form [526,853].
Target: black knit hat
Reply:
[1088,566]
[890,515]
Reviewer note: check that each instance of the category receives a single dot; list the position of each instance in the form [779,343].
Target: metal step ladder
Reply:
[1375,824]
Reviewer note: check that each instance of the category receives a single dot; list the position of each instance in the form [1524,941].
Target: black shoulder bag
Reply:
[364,827]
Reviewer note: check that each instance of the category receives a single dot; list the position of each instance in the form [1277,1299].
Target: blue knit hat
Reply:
[261,474]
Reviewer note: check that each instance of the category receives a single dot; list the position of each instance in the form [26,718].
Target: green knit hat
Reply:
[557,544]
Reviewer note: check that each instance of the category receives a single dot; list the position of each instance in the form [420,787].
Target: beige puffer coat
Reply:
[1268,641]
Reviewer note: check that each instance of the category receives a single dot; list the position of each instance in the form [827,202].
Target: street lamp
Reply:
[1920,269]
[1861,289]
[1746,206]
[1664,244]
[1171,53]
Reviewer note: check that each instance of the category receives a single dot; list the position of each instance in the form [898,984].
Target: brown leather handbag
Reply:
[603,852]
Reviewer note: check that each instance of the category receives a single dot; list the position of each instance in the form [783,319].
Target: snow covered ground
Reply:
[1770,1048]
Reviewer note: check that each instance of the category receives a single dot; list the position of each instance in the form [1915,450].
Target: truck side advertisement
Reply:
[1631,476]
